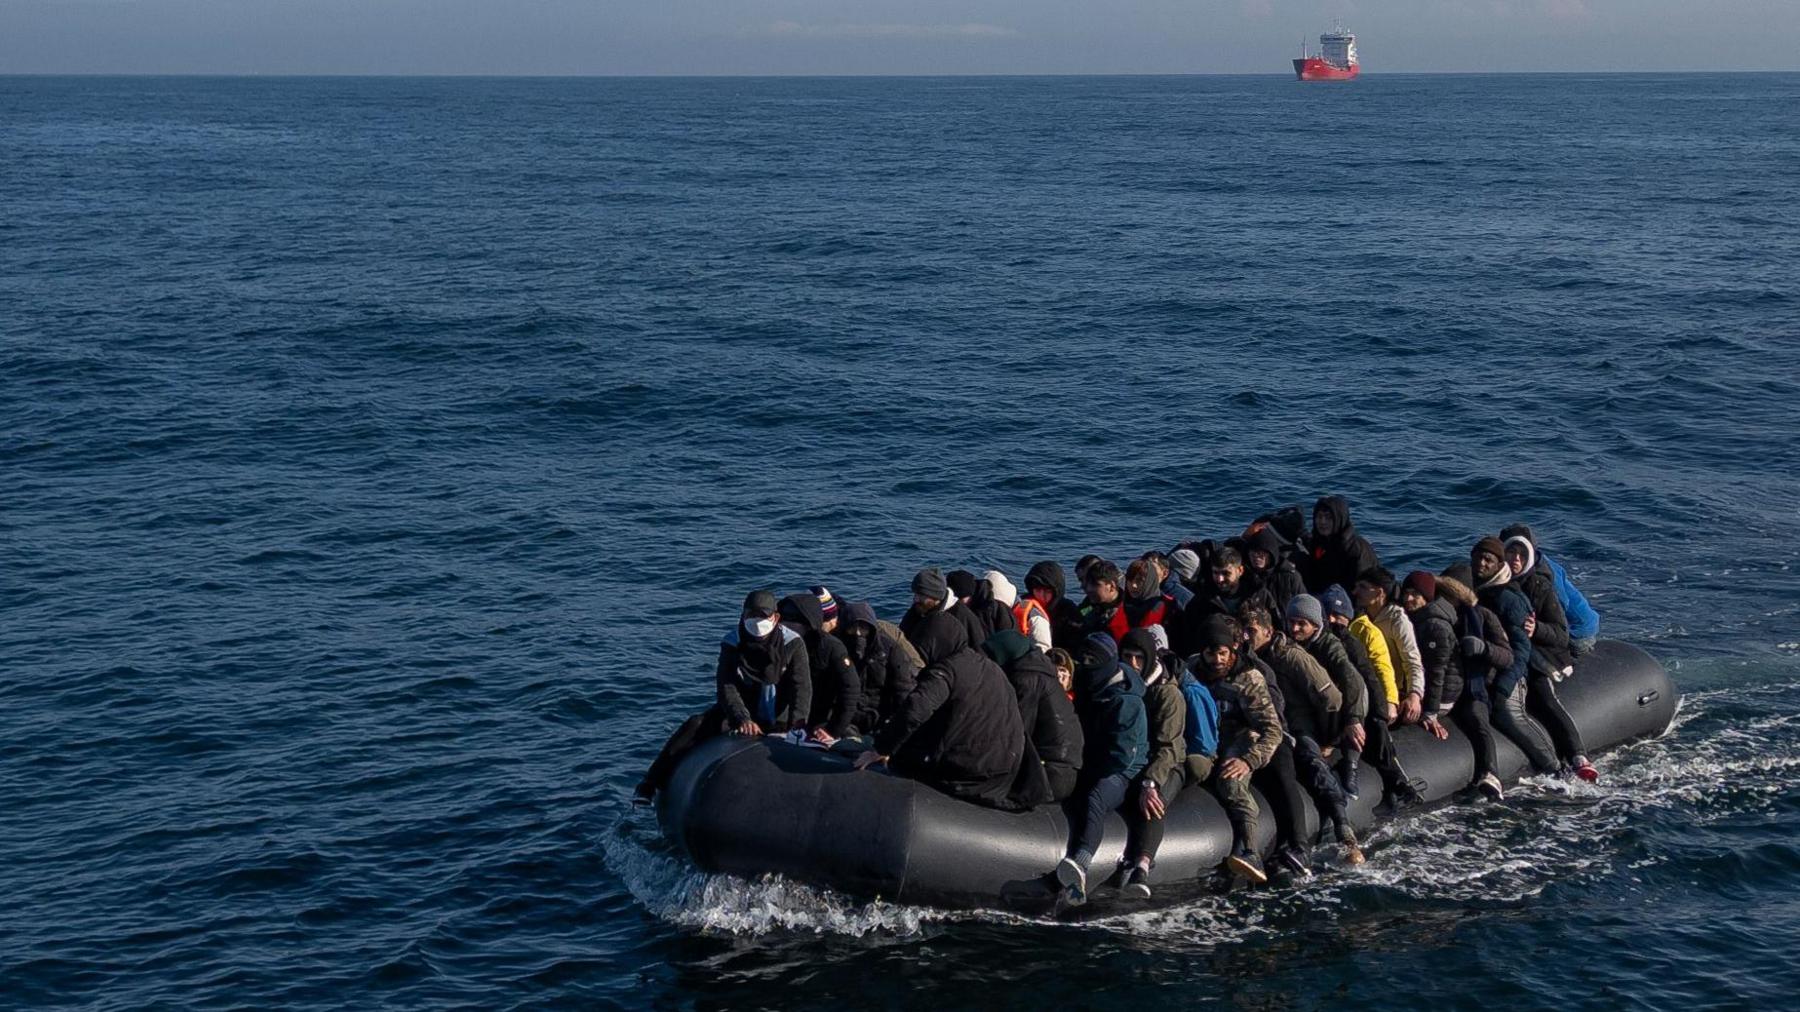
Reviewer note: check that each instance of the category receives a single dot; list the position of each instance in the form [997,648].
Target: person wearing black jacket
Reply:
[959,729]
[1335,553]
[932,594]
[1551,659]
[1052,730]
[836,684]
[1269,568]
[886,663]
[1462,684]
[762,685]
[1493,588]
[1308,627]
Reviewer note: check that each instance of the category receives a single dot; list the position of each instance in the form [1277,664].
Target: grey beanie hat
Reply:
[1307,607]
[1185,562]
[930,583]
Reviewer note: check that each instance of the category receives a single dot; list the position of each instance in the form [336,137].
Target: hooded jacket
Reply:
[767,680]
[1402,649]
[1065,615]
[1584,621]
[1550,638]
[836,683]
[1165,709]
[1113,722]
[1330,654]
[887,664]
[994,612]
[1462,674]
[1510,606]
[1249,726]
[1434,628]
[1047,715]
[1313,702]
[1282,581]
[959,728]
[1342,557]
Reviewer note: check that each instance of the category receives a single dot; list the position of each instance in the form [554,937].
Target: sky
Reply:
[884,36]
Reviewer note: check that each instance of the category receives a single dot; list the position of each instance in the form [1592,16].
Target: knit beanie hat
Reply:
[1489,545]
[828,605]
[1511,531]
[930,583]
[1307,607]
[1185,563]
[1337,602]
[1219,631]
[1422,582]
[962,583]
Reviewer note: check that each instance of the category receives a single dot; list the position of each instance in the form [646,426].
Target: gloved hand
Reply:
[1473,647]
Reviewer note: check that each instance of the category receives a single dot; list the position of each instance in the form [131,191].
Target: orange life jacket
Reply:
[1022,613]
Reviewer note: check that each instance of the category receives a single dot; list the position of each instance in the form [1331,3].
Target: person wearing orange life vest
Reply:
[1030,617]
[1104,609]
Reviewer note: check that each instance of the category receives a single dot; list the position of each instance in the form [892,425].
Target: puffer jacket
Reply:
[1550,638]
[836,682]
[1464,674]
[1434,629]
[1048,717]
[1511,607]
[886,662]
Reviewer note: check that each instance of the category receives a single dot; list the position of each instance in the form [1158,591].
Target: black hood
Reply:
[1339,508]
[1142,642]
[1046,574]
[1007,646]
[1265,539]
[858,611]
[962,584]
[941,635]
[804,611]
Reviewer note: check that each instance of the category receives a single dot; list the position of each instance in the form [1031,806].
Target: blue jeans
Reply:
[1107,794]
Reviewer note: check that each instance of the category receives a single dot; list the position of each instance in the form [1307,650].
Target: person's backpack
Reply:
[1202,731]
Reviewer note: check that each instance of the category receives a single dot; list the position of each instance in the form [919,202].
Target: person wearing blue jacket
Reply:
[1584,621]
[1110,701]
[1493,588]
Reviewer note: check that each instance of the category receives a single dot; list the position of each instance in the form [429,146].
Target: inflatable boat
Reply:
[756,806]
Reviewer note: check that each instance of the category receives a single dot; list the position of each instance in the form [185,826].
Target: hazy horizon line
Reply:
[777,77]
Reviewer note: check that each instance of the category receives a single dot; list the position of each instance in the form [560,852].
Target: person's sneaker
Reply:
[1245,865]
[1293,860]
[1352,849]
[1585,770]
[1489,785]
[643,794]
[1071,874]
[1137,883]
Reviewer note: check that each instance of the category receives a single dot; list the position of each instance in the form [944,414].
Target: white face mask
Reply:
[759,628]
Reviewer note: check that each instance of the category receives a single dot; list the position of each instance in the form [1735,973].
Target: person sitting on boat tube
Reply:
[1551,661]
[1165,716]
[763,685]
[959,729]
[1110,701]
[1249,732]
[1494,590]
[1374,595]
[1307,627]
[1584,621]
[1368,651]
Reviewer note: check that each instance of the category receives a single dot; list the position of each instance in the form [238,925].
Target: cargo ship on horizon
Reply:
[1336,60]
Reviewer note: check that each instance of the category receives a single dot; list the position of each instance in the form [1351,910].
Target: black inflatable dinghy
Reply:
[751,807]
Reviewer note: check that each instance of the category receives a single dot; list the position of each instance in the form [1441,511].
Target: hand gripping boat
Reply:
[751,807]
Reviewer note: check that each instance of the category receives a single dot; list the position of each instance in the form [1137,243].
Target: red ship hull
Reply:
[1315,69]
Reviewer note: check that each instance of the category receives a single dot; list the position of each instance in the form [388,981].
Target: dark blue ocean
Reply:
[382,459]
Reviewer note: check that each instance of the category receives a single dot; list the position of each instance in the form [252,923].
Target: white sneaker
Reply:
[1070,873]
[1489,785]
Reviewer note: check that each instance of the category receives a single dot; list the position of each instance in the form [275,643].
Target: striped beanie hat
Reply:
[827,603]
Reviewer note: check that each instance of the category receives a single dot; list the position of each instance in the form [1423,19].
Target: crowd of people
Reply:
[1281,659]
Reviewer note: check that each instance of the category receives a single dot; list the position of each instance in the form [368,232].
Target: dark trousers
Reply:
[1318,776]
[1107,794]
[1277,783]
[1471,715]
[1543,704]
[1378,751]
[1145,835]
[691,733]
